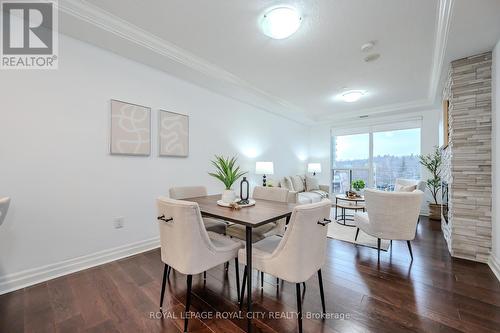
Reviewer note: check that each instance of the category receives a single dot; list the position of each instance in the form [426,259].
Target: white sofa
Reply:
[304,189]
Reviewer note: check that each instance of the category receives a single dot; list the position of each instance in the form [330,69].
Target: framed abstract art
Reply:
[130,129]
[173,134]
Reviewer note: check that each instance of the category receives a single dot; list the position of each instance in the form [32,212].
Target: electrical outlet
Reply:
[119,222]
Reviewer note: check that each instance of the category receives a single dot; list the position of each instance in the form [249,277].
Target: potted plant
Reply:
[358,185]
[227,172]
[432,162]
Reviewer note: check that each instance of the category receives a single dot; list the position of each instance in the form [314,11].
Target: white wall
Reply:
[495,257]
[320,141]
[66,188]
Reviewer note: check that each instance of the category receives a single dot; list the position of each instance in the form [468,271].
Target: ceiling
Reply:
[218,44]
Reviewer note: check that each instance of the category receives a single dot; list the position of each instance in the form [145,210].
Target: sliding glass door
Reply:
[377,155]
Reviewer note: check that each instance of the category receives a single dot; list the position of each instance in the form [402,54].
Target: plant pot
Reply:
[435,211]
[228,196]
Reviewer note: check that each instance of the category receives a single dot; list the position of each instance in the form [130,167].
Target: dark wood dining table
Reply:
[263,212]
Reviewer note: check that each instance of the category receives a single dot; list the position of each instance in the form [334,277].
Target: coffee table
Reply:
[347,203]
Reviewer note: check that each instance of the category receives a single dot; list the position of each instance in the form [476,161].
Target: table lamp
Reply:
[264,168]
[313,168]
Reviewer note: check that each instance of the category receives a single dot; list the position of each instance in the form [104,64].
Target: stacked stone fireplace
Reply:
[467,158]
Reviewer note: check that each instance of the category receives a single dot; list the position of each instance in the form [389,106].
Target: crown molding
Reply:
[441,39]
[96,16]
[379,111]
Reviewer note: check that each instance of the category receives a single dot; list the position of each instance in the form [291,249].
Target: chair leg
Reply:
[166,268]
[409,248]
[205,276]
[168,273]
[378,248]
[299,306]
[188,301]
[357,233]
[261,280]
[321,292]
[226,266]
[237,268]
[243,287]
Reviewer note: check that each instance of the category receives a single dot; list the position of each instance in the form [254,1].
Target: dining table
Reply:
[263,212]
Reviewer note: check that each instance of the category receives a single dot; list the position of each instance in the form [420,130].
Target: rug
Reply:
[347,234]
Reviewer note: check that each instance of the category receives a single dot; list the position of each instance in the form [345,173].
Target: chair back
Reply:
[419,184]
[184,192]
[184,241]
[393,215]
[302,251]
[277,194]
[270,193]
[4,206]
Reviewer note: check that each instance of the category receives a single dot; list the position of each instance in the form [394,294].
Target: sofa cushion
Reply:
[312,183]
[298,184]
[308,197]
[404,188]
[286,182]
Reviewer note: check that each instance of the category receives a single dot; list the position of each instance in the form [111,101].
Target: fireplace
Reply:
[444,199]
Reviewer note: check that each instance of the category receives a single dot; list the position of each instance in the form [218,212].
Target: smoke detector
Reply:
[367,47]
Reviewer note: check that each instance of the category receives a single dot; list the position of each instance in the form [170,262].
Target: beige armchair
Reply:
[390,215]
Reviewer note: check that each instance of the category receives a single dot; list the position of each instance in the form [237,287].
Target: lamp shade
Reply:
[314,167]
[264,168]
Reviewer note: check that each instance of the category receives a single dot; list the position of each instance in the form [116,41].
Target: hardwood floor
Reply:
[435,293]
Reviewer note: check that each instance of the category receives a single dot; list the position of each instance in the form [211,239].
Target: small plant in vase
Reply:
[432,162]
[358,185]
[228,173]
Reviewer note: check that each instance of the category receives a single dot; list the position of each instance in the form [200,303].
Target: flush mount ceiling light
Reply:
[281,22]
[352,95]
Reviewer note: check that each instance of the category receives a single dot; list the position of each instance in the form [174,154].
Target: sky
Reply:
[395,143]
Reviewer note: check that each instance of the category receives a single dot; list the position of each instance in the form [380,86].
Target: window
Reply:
[378,155]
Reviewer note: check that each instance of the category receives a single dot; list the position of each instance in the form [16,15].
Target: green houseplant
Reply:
[358,184]
[228,173]
[432,162]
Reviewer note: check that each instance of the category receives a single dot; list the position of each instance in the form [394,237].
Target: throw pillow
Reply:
[312,183]
[286,182]
[298,184]
[402,188]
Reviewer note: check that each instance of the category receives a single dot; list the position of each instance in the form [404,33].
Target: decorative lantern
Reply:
[244,193]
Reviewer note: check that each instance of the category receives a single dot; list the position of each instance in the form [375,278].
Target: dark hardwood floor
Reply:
[435,293]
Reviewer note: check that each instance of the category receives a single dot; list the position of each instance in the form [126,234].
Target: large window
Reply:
[378,155]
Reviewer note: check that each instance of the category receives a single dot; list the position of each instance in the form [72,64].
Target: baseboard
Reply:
[33,276]
[494,264]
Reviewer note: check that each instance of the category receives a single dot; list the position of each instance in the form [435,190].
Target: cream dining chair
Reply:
[186,245]
[390,215]
[296,256]
[4,207]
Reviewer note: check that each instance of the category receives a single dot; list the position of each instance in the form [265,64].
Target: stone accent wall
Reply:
[467,160]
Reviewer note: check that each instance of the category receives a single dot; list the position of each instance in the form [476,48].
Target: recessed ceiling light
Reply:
[352,95]
[281,22]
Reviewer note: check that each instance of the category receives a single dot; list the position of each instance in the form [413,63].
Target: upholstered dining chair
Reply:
[296,256]
[274,228]
[187,247]
[4,206]
[186,192]
[390,215]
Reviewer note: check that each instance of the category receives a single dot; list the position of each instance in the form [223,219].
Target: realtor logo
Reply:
[29,35]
